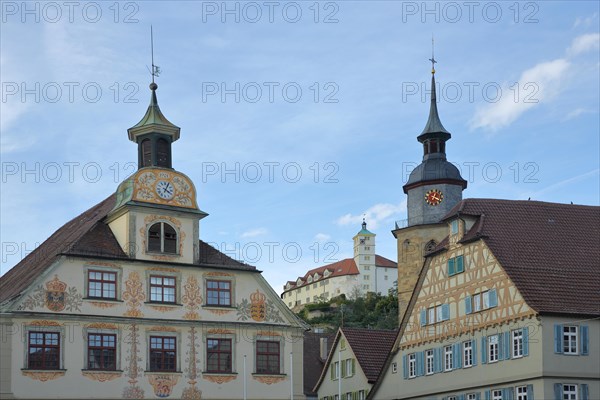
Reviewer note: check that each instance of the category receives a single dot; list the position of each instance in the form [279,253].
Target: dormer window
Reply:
[162,238]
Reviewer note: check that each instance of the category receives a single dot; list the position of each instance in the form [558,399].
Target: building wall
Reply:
[356,382]
[385,278]
[257,314]
[7,329]
[322,289]
[411,247]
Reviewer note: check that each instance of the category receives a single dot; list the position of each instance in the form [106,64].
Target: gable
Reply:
[448,296]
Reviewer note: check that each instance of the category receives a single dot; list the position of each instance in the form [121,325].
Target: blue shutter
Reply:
[474,346]
[461,397]
[423,319]
[437,360]
[477,396]
[493,298]
[420,363]
[583,332]
[558,391]
[404,367]
[451,270]
[530,392]
[445,312]
[458,357]
[468,305]
[509,394]
[583,392]
[500,347]
[526,342]
[488,394]
[507,346]
[459,264]
[558,338]
[484,349]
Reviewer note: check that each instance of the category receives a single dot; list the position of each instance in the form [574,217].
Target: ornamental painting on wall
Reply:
[258,309]
[56,297]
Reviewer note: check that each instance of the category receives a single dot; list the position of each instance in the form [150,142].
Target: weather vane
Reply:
[432,59]
[155,69]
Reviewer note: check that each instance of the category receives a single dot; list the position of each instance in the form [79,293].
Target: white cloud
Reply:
[538,84]
[254,232]
[577,112]
[322,237]
[584,43]
[587,21]
[375,215]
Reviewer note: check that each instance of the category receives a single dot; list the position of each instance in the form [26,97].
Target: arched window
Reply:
[146,153]
[162,153]
[162,238]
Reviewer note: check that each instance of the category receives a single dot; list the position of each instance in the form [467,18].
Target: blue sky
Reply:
[265,91]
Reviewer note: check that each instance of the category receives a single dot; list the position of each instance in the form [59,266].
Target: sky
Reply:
[297,119]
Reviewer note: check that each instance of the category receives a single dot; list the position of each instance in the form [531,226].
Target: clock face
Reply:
[434,197]
[165,189]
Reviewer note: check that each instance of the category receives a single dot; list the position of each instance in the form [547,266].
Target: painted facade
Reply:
[126,302]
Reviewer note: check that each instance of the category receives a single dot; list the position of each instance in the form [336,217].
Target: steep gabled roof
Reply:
[87,235]
[370,346]
[550,251]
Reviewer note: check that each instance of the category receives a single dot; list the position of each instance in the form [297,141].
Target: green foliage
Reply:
[371,311]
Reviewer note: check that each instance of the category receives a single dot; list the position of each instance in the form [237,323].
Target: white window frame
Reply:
[448,358]
[485,300]
[570,391]
[493,347]
[496,394]
[452,398]
[349,373]
[431,315]
[517,343]
[570,343]
[438,313]
[429,366]
[412,365]
[521,393]
[467,354]
[471,396]
[336,369]
[477,302]
[361,395]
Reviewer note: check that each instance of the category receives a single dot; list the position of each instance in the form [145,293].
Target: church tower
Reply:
[156,216]
[433,188]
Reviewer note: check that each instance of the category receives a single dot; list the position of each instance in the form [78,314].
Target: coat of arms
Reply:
[258,308]
[56,294]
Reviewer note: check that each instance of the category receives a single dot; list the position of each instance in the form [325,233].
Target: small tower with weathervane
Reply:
[364,257]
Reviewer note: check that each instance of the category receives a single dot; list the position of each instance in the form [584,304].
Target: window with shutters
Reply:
[481,301]
[493,343]
[412,365]
[429,367]
[496,394]
[435,314]
[471,396]
[521,392]
[517,343]
[569,392]
[452,398]
[349,368]
[361,395]
[468,354]
[336,370]
[456,266]
[570,340]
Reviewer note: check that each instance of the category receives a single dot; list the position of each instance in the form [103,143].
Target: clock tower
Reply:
[156,216]
[433,188]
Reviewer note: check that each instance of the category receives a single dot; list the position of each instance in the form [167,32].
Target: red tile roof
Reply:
[370,346]
[346,266]
[87,235]
[550,251]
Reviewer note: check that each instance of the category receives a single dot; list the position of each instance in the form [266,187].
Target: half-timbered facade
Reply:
[506,307]
[125,301]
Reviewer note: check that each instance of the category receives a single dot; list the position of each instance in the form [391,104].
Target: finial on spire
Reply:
[364,223]
[432,59]
[155,69]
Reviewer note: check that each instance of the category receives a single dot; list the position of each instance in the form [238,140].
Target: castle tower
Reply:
[364,257]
